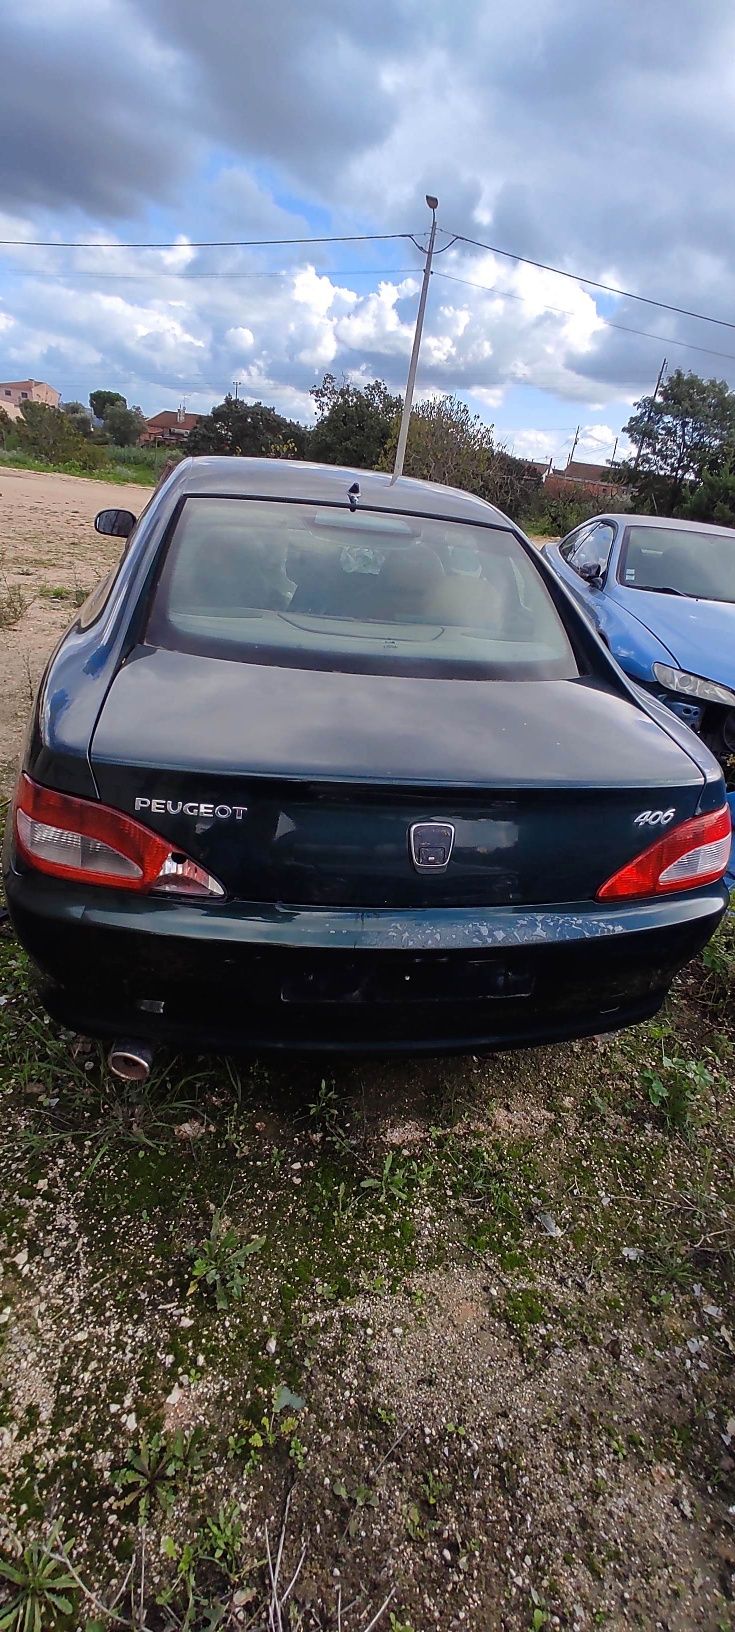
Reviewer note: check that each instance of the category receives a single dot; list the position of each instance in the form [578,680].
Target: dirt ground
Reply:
[47,543]
[456,1336]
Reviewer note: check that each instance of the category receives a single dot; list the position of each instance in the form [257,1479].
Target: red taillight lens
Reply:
[78,839]
[696,852]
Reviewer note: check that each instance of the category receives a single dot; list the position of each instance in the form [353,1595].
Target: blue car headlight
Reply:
[692,685]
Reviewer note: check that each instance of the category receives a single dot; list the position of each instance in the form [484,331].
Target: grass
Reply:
[275,1319]
[64,592]
[116,470]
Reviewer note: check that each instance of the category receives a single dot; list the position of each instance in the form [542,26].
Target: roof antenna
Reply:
[353,495]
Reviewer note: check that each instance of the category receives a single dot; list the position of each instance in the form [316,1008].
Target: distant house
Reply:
[595,479]
[13,393]
[170,426]
[578,471]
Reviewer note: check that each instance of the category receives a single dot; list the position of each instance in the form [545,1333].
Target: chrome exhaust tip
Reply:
[130,1060]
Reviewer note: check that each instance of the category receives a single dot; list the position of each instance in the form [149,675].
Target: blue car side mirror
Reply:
[591,572]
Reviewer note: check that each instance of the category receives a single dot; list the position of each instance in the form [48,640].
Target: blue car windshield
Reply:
[687,562]
[263,581]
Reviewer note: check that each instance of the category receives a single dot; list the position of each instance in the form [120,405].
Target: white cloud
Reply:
[278,333]
[374,324]
[240,339]
[552,132]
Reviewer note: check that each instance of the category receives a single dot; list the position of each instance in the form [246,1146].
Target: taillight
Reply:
[697,852]
[78,839]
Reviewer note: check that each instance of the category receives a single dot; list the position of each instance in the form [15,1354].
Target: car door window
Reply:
[569,544]
[594,547]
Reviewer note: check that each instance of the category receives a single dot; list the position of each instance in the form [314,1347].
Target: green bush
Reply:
[555,514]
[91,457]
[148,459]
[47,433]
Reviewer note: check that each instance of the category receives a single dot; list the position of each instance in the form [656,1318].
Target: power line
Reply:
[623,328]
[368,237]
[609,288]
[206,243]
[149,277]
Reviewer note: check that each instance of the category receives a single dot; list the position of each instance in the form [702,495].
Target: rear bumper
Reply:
[228,976]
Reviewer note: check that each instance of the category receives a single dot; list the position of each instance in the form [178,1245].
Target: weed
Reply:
[398,1179]
[358,1497]
[264,1429]
[30,683]
[432,1488]
[13,603]
[40,1585]
[325,1112]
[252,1436]
[219,1262]
[61,592]
[217,1544]
[297,1452]
[718,958]
[152,1474]
[674,1085]
[415,1527]
[221,1538]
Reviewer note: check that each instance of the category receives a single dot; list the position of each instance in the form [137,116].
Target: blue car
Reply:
[661,595]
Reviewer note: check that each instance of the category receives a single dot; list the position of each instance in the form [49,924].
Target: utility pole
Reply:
[647,419]
[615,449]
[433,204]
[236,385]
[574,444]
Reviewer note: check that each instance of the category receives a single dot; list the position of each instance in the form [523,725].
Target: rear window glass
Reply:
[323,587]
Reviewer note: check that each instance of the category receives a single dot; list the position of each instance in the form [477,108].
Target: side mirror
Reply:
[117,523]
[591,572]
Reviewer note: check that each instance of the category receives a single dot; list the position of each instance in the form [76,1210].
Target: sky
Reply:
[597,138]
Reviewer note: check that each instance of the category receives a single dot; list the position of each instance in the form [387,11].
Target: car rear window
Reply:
[262,580]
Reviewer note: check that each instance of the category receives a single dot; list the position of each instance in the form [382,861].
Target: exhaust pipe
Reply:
[130,1060]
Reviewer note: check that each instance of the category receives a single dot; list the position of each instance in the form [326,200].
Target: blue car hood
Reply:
[699,634]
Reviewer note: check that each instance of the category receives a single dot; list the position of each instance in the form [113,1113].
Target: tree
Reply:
[247,428]
[447,443]
[677,438]
[714,498]
[47,433]
[78,416]
[123,425]
[100,401]
[354,424]
[6,426]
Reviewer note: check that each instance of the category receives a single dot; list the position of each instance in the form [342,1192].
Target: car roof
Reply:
[673,523]
[298,479]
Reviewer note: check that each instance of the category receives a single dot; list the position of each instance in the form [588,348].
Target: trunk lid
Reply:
[301,786]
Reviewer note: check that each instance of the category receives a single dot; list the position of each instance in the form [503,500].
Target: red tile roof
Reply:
[169,420]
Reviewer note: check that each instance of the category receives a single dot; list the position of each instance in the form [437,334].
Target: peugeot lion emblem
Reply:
[430,844]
